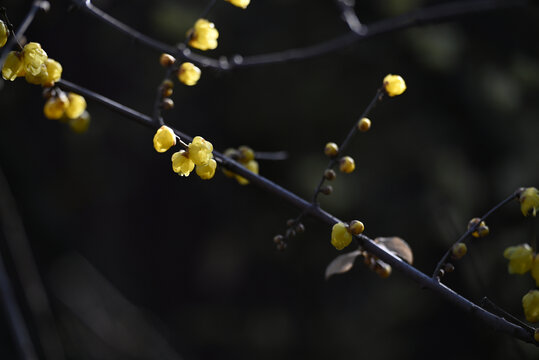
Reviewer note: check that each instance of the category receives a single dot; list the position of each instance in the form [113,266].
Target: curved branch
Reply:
[494,321]
[429,15]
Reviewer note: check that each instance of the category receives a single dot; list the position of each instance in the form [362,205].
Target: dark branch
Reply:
[367,244]
[429,15]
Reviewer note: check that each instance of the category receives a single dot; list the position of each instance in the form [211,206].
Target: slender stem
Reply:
[428,15]
[366,243]
[344,145]
[472,228]
[273,156]
[136,35]
[207,9]
[159,98]
[487,302]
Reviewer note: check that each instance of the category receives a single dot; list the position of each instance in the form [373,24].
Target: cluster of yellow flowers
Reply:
[70,108]
[32,63]
[246,157]
[523,259]
[341,237]
[37,68]
[199,153]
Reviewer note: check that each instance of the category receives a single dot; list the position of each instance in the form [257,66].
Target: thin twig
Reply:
[471,229]
[157,106]
[273,156]
[487,302]
[207,9]
[344,145]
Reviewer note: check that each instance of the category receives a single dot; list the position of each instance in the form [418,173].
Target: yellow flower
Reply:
[33,56]
[54,70]
[520,258]
[81,123]
[481,229]
[252,166]
[347,164]
[77,105]
[54,107]
[13,66]
[181,164]
[204,35]
[530,303]
[240,3]
[39,78]
[207,171]
[164,139]
[4,33]
[394,85]
[200,151]
[340,236]
[189,74]
[529,201]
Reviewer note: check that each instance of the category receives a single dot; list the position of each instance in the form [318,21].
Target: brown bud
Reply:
[167,104]
[330,174]
[166,60]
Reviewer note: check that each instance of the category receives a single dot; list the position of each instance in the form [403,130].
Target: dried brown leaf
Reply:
[342,263]
[397,246]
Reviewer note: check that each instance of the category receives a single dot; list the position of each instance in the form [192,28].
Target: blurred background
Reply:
[138,263]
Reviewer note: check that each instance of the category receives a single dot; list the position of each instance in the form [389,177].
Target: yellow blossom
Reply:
[252,166]
[55,107]
[77,105]
[530,303]
[54,70]
[39,78]
[340,236]
[207,171]
[204,35]
[520,258]
[164,139]
[347,164]
[33,56]
[189,74]
[181,163]
[81,123]
[13,66]
[529,201]
[240,3]
[394,85]
[200,151]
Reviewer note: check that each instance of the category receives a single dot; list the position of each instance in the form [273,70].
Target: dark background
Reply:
[139,263]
